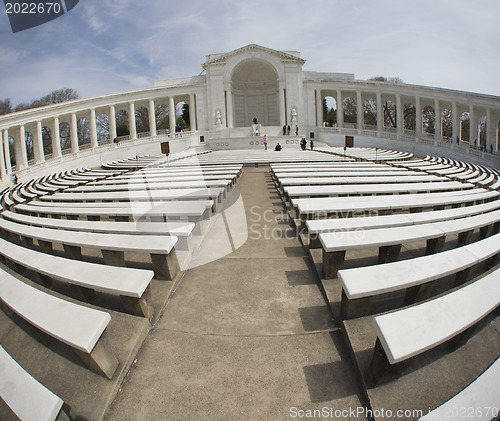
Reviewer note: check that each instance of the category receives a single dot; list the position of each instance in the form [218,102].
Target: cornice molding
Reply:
[221,59]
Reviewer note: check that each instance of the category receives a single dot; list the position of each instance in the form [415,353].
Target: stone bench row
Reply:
[176,203]
[173,180]
[317,226]
[81,328]
[112,246]
[332,170]
[84,278]
[479,400]
[456,170]
[389,240]
[151,186]
[292,192]
[311,181]
[325,206]
[414,276]
[25,397]
[142,161]
[214,193]
[192,211]
[407,333]
[181,230]
[183,170]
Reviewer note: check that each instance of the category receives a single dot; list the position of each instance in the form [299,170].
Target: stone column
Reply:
[229,106]
[489,130]
[171,114]
[192,112]
[22,149]
[38,144]
[281,95]
[456,122]
[438,123]
[473,137]
[93,130]
[3,170]
[319,108]
[340,110]
[74,134]
[418,117]
[112,123]
[399,114]
[359,110]
[131,121]
[380,113]
[56,139]
[6,151]
[152,118]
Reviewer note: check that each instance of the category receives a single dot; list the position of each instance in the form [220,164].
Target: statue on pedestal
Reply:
[294,121]
[218,122]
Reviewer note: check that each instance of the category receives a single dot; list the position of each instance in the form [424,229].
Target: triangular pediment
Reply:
[283,55]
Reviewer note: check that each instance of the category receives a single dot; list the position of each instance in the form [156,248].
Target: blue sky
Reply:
[106,46]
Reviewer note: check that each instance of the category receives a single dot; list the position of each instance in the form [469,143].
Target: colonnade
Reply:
[54,119]
[400,100]
[308,98]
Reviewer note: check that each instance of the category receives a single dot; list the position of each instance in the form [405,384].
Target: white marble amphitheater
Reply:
[155,272]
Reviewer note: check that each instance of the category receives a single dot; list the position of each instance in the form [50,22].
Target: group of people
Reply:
[278,147]
[303,144]
[286,130]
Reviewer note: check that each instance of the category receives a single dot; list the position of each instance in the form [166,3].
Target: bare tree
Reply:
[142,120]
[390,79]
[409,117]
[350,113]
[429,120]
[447,123]
[370,112]
[5,106]
[161,112]
[465,126]
[102,127]
[56,97]
[389,114]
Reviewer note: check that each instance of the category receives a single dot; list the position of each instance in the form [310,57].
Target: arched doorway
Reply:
[255,93]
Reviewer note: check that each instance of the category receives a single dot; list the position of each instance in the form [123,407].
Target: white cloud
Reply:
[116,45]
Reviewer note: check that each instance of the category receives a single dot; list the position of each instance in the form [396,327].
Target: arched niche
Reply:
[255,93]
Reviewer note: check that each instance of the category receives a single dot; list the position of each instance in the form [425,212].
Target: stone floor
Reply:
[248,332]
[246,336]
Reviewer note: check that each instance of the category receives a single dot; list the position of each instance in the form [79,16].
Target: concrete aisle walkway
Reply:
[247,336]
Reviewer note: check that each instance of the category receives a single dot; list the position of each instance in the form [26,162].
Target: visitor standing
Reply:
[288,129]
[296,130]
[312,144]
[303,143]
[284,129]
[265,142]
